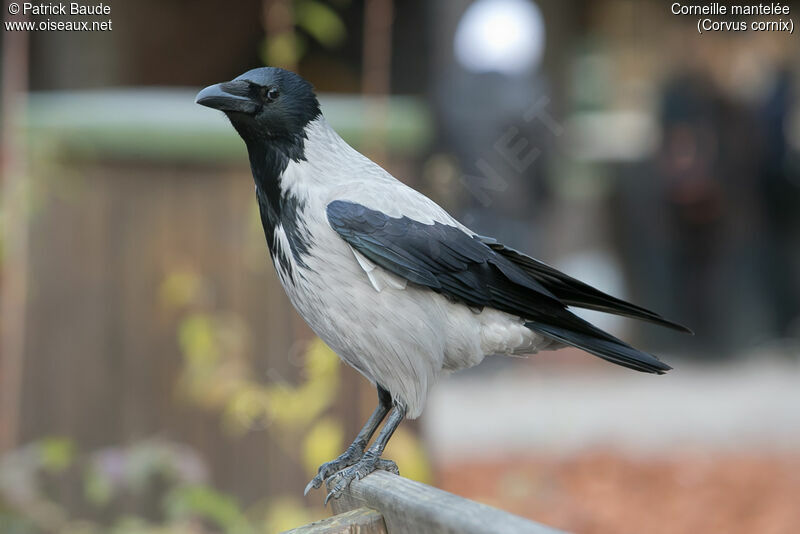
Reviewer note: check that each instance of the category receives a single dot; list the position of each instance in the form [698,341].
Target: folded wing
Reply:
[481,273]
[575,293]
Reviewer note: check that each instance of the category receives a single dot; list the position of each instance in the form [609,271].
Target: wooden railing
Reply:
[383,503]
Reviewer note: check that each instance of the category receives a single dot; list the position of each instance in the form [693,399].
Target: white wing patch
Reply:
[379,278]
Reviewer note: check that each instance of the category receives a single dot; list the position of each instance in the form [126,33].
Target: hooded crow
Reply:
[397,287]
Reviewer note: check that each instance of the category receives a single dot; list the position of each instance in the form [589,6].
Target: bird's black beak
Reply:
[228,96]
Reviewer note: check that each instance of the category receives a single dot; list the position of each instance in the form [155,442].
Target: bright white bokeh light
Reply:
[505,36]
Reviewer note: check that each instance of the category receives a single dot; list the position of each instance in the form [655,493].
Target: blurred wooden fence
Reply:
[127,188]
[102,358]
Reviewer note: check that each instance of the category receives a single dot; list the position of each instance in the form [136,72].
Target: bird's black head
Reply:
[267,104]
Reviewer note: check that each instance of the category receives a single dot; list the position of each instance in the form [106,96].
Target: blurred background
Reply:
[154,378]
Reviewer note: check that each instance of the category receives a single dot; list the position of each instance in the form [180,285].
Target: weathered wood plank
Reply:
[411,507]
[358,521]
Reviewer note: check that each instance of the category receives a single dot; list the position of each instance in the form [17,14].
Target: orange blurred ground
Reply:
[604,492]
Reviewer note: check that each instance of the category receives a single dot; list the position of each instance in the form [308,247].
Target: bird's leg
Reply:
[371,459]
[356,449]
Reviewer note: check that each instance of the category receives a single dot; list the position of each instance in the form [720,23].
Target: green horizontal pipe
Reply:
[166,124]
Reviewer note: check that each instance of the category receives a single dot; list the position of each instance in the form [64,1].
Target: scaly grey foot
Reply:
[346,459]
[368,463]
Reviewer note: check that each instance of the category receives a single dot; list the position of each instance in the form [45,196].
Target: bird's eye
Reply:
[270,93]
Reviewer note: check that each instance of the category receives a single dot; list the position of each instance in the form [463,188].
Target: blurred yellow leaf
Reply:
[247,407]
[321,361]
[285,513]
[56,454]
[322,443]
[195,335]
[97,488]
[296,407]
[320,21]
[406,449]
[283,50]
[179,289]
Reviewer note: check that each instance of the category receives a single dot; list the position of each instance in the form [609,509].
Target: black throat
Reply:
[269,157]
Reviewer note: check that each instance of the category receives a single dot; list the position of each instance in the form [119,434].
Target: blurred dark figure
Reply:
[779,189]
[729,208]
[490,84]
[501,152]
[694,191]
[700,226]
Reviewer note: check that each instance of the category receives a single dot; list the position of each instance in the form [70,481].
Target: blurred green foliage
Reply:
[187,503]
[218,375]
[38,481]
[310,18]
[30,494]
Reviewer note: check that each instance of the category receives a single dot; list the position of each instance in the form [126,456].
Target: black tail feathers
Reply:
[595,341]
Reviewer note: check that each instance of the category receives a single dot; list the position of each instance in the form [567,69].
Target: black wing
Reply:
[575,293]
[467,269]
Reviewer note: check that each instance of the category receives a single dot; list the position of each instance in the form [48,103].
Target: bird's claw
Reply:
[366,465]
[312,484]
[346,459]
